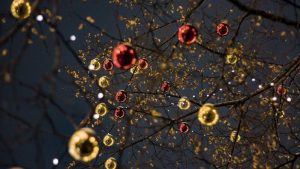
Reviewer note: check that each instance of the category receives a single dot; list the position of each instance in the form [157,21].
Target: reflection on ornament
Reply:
[119,112]
[121,96]
[101,109]
[108,64]
[124,56]
[233,136]
[208,115]
[184,103]
[83,145]
[94,65]
[165,86]
[222,29]
[143,64]
[20,9]
[187,34]
[110,163]
[103,81]
[184,127]
[108,140]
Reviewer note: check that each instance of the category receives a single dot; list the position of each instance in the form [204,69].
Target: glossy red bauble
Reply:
[222,29]
[121,96]
[184,127]
[119,112]
[165,86]
[108,64]
[187,34]
[143,63]
[124,56]
[281,90]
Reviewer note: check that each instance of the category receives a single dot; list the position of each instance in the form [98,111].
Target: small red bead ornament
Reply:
[124,56]
[143,63]
[108,64]
[119,112]
[184,127]
[121,96]
[222,29]
[281,90]
[187,34]
[165,86]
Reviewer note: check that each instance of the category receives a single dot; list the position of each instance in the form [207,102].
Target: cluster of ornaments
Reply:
[83,145]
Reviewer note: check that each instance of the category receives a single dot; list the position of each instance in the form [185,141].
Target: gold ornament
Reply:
[83,145]
[233,136]
[101,109]
[20,9]
[184,103]
[231,59]
[108,140]
[135,70]
[111,163]
[95,64]
[103,81]
[208,115]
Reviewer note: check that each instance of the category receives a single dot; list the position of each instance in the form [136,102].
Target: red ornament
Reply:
[281,90]
[119,112]
[184,127]
[187,34]
[124,56]
[222,29]
[165,86]
[121,96]
[143,63]
[108,64]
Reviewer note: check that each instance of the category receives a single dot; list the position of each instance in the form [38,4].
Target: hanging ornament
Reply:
[184,127]
[143,64]
[108,64]
[281,90]
[135,70]
[119,112]
[20,9]
[222,29]
[108,140]
[95,65]
[187,34]
[110,163]
[184,103]
[101,109]
[124,56]
[121,96]
[165,86]
[103,81]
[208,115]
[233,136]
[83,145]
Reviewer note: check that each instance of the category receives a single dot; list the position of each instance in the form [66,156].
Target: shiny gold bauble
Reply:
[101,109]
[231,59]
[103,81]
[184,103]
[20,9]
[108,140]
[110,163]
[233,136]
[83,145]
[135,70]
[208,115]
[95,64]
